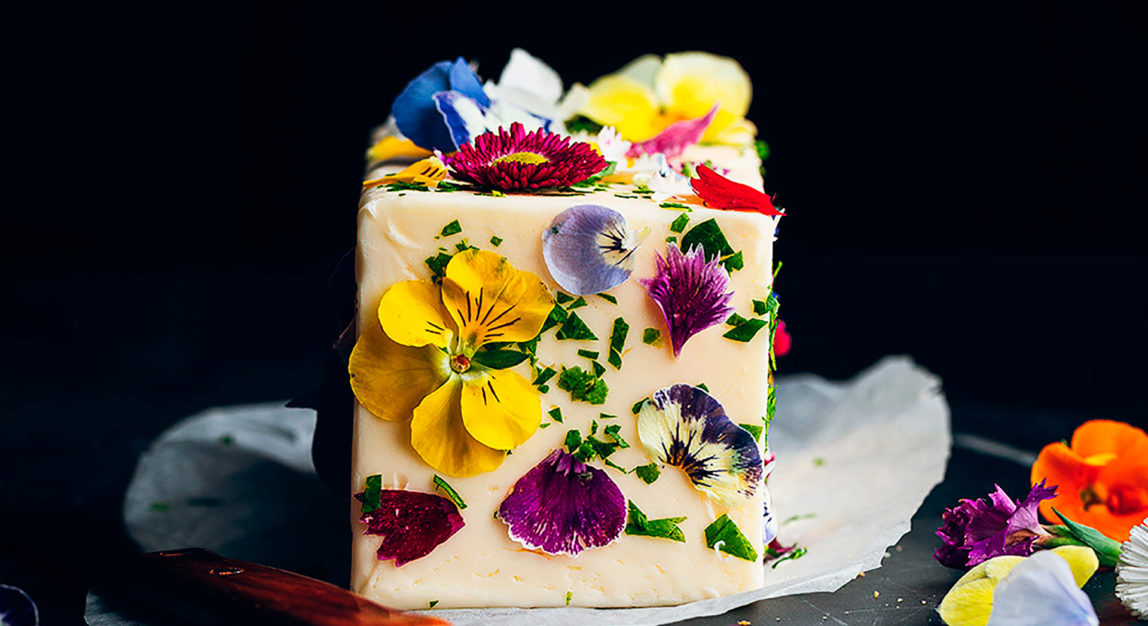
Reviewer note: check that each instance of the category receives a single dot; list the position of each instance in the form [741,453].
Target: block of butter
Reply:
[561,393]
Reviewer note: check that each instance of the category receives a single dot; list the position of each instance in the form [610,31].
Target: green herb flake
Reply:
[674,205]
[710,237]
[569,597]
[613,432]
[638,524]
[599,369]
[499,359]
[562,297]
[583,385]
[226,440]
[452,228]
[589,354]
[557,316]
[618,342]
[703,387]
[372,493]
[754,429]
[606,416]
[544,425]
[652,337]
[793,555]
[574,328]
[496,241]
[544,388]
[745,331]
[735,320]
[573,440]
[437,264]
[555,414]
[445,487]
[734,262]
[818,461]
[160,507]
[544,376]
[638,406]
[432,604]
[759,307]
[679,224]
[671,239]
[577,304]
[728,538]
[608,298]
[648,473]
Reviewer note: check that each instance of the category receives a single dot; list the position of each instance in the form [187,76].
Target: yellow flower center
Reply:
[526,158]
[459,363]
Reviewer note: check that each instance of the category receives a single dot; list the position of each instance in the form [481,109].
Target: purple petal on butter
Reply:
[411,523]
[686,427]
[589,249]
[691,293]
[563,506]
[676,137]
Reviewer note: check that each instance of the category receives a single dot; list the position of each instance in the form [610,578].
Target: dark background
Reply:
[964,184]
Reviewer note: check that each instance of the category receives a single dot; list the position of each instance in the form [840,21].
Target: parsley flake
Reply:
[608,298]
[728,538]
[652,337]
[440,483]
[496,241]
[679,224]
[562,297]
[618,342]
[638,524]
[589,354]
[746,330]
[575,328]
[577,304]
[555,414]
[583,385]
[372,493]
[452,228]
[754,429]
[648,473]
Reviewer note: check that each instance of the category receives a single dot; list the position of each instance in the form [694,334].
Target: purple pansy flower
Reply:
[589,248]
[563,506]
[975,531]
[411,523]
[416,110]
[690,291]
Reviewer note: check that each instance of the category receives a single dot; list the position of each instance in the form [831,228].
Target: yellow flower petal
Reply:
[411,314]
[626,104]
[429,172]
[490,300]
[390,380]
[1081,560]
[690,83]
[395,148]
[969,604]
[730,130]
[440,438]
[501,410]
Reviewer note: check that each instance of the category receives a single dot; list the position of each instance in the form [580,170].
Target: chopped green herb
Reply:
[626,196]
[496,241]
[401,186]
[671,239]
[679,224]
[652,337]
[759,307]
[583,385]
[555,414]
[446,186]
[583,125]
[703,387]
[638,406]
[562,297]
[589,354]
[753,429]
[608,298]
[638,524]
[577,304]
[544,388]
[226,440]
[614,465]
[735,320]
[499,359]
[674,205]
[431,604]
[464,245]
[452,228]
[573,440]
[544,425]
[795,554]
[575,328]
[618,342]
[606,416]
[437,264]
[818,461]
[593,427]
[599,369]
[734,262]
[372,492]
[445,487]
[727,537]
[710,237]
[569,597]
[612,431]
[745,331]
[648,473]
[544,376]
[557,316]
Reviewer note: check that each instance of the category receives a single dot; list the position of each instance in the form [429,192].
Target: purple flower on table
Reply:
[563,506]
[975,530]
[589,248]
[411,523]
[690,291]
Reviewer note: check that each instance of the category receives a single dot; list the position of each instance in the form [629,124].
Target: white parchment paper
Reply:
[855,461]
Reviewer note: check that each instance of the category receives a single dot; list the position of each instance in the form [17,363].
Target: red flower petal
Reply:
[412,524]
[719,192]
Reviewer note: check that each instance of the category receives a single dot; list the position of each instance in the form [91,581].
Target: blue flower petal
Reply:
[464,80]
[686,427]
[415,113]
[1041,590]
[589,249]
[465,119]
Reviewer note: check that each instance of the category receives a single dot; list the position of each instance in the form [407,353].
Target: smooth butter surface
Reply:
[480,566]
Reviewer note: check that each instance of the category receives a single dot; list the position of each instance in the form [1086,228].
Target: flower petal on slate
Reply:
[563,506]
[686,427]
[676,137]
[412,524]
[1041,590]
[589,249]
[691,293]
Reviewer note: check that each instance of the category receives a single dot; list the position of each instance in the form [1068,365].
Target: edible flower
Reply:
[975,530]
[416,112]
[514,160]
[675,138]
[1132,571]
[719,192]
[1103,477]
[530,85]
[16,608]
[428,172]
[563,506]
[1016,591]
[412,524]
[589,249]
[686,427]
[649,94]
[422,362]
[782,341]
[690,291]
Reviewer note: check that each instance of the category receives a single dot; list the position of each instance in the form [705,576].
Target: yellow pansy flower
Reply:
[650,93]
[419,362]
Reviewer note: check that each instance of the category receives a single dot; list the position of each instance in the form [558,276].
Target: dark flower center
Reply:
[459,363]
[526,158]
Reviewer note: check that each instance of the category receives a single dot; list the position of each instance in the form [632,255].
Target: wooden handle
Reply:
[223,590]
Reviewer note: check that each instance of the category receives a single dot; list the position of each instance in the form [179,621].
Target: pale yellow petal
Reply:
[1081,560]
[390,380]
[411,313]
[969,604]
[690,83]
[490,300]
[626,104]
[395,148]
[440,438]
[501,409]
[730,130]
[428,172]
[998,567]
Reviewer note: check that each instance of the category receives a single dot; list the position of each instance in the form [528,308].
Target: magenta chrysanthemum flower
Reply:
[514,160]
[975,531]
[690,291]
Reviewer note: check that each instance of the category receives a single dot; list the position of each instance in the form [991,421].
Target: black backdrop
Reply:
[965,185]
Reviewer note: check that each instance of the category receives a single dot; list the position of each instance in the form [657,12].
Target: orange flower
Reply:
[1102,477]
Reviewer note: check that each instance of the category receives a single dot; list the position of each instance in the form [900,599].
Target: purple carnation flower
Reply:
[690,291]
[975,531]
